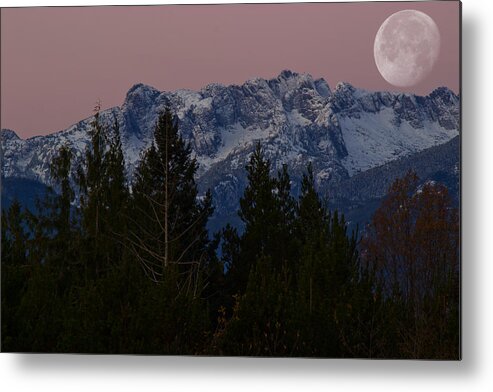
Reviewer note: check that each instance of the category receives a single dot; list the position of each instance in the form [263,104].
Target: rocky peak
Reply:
[444,94]
[8,134]
[322,87]
[444,107]
[141,95]
[343,97]
[287,74]
[344,88]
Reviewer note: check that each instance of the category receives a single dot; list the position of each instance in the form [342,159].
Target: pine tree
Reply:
[258,201]
[60,172]
[103,197]
[262,262]
[117,193]
[169,220]
[267,211]
[286,241]
[91,181]
[14,236]
[327,272]
[16,275]
[168,237]
[6,241]
[54,222]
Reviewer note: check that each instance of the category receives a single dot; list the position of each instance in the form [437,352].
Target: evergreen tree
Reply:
[268,211]
[327,272]
[60,172]
[168,237]
[257,206]
[6,241]
[58,227]
[103,197]
[14,235]
[169,220]
[92,180]
[15,273]
[286,241]
[260,324]
[117,193]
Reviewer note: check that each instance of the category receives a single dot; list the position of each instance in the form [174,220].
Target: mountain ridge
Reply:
[298,119]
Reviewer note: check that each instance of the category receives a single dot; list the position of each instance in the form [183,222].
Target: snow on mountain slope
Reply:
[31,158]
[297,118]
[380,127]
[372,140]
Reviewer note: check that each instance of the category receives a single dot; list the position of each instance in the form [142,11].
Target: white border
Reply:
[474,373]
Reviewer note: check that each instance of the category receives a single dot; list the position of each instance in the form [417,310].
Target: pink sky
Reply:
[57,62]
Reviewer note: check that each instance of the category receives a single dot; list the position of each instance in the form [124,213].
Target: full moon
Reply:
[406,47]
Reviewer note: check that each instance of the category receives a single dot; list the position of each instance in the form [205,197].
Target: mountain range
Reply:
[357,140]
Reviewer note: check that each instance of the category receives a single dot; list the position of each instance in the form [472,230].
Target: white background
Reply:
[473,373]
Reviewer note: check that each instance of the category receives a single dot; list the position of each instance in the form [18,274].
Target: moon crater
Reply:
[406,47]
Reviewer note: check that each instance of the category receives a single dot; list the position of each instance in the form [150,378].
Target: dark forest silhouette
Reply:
[110,267]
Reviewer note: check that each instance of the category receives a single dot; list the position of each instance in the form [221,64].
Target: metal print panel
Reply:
[275,180]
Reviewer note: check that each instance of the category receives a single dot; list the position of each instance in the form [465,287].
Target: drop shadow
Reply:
[470,198]
[30,364]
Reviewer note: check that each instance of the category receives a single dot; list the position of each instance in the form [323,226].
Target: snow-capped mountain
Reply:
[298,119]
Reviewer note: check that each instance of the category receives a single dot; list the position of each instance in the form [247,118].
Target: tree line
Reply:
[107,266]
